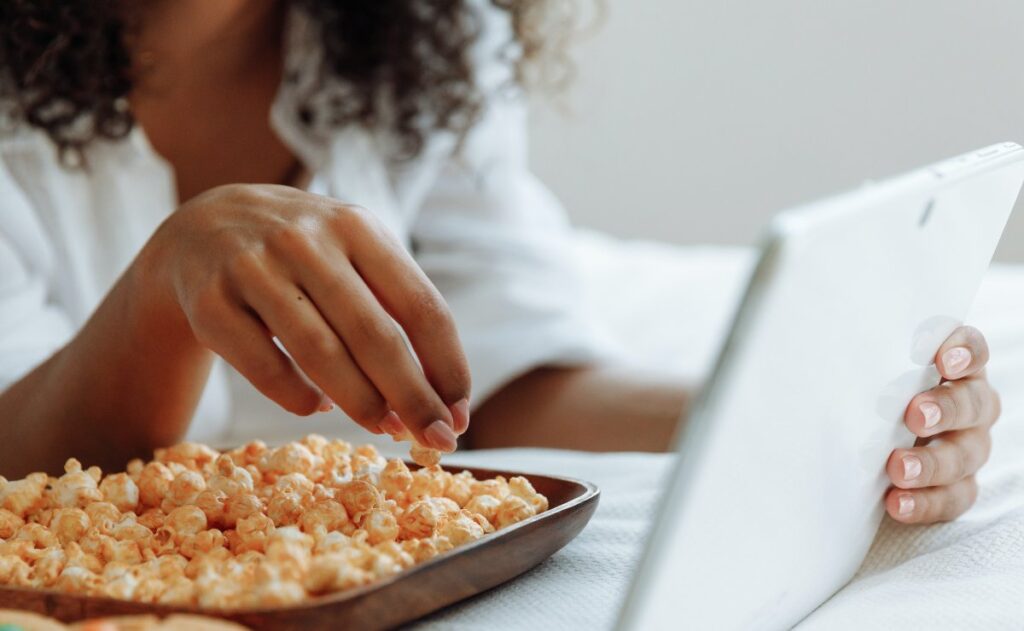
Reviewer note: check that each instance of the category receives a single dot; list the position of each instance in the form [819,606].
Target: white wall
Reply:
[692,121]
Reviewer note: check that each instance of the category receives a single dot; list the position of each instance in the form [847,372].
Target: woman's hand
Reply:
[242,264]
[934,480]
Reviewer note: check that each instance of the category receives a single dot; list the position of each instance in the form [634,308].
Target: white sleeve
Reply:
[497,244]
[31,327]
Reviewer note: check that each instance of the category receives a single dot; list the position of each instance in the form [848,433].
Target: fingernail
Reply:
[956,360]
[460,414]
[932,414]
[906,504]
[392,424]
[911,467]
[440,436]
[326,405]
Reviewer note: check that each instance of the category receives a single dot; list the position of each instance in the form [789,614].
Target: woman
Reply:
[176,184]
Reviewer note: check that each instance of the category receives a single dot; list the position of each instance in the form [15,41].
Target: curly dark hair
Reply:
[66,66]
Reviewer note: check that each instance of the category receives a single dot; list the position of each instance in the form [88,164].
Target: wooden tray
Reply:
[448,578]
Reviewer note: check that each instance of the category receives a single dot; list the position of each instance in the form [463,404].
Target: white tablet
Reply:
[778,491]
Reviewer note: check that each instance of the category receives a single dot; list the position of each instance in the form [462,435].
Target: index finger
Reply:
[410,298]
[964,353]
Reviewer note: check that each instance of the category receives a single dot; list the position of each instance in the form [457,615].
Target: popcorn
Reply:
[324,516]
[120,490]
[290,458]
[395,479]
[462,529]
[230,479]
[359,497]
[22,497]
[513,509]
[154,481]
[211,502]
[459,488]
[285,508]
[103,515]
[184,521]
[183,489]
[380,526]
[484,505]
[76,487]
[251,527]
[69,524]
[423,517]
[424,456]
[9,523]
[521,487]
[240,507]
[192,455]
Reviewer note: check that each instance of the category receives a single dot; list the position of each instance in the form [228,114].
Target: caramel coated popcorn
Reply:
[254,526]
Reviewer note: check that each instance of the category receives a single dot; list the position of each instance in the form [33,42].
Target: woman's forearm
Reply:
[127,382]
[591,408]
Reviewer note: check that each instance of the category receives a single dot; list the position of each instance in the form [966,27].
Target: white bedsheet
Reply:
[668,307]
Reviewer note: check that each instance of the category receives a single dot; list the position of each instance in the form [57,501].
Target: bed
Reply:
[968,574]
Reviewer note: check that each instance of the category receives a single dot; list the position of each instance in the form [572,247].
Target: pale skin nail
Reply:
[956,360]
[440,436]
[932,414]
[392,424]
[906,504]
[911,467]
[460,416]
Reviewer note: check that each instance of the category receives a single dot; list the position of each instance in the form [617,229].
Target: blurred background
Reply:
[693,122]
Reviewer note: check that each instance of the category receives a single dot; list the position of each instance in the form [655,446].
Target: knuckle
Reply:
[971,491]
[266,375]
[428,308]
[461,382]
[367,409]
[241,194]
[943,396]
[377,330]
[244,266]
[969,403]
[205,316]
[291,240]
[944,504]
[349,218]
[206,302]
[937,506]
[979,391]
[975,340]
[930,467]
[233,191]
[996,401]
[958,462]
[951,404]
[419,401]
[316,344]
[419,408]
[986,449]
[355,212]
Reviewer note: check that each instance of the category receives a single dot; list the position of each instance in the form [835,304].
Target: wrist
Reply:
[150,297]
